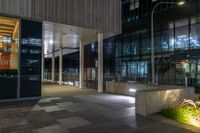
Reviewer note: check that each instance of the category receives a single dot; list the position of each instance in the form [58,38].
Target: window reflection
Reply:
[174,49]
[195,36]
[181,35]
[31,43]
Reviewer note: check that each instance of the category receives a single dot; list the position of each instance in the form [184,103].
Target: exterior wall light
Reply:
[132,90]
[51,42]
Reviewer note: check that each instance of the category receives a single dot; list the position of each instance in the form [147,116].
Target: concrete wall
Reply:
[153,101]
[124,87]
[102,15]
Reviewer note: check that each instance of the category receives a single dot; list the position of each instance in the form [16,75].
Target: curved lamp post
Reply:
[152,36]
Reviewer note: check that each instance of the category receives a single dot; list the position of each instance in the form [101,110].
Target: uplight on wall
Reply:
[51,42]
[181,3]
[132,90]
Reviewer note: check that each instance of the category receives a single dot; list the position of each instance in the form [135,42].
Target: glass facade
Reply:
[30,58]
[90,66]
[20,58]
[47,70]
[133,10]
[177,53]
[9,57]
[127,57]
[71,69]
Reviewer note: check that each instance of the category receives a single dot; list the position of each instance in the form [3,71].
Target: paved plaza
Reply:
[55,90]
[94,113]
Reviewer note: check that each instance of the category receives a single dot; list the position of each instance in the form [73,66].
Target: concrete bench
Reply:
[152,101]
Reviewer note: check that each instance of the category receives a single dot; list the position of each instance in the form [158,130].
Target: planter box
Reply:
[149,102]
[151,99]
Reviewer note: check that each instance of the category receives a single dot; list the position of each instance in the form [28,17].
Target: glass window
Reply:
[142,69]
[133,70]
[157,42]
[9,51]
[195,36]
[195,33]
[126,45]
[134,50]
[168,39]
[145,42]
[181,35]
[118,49]
[30,74]
[134,4]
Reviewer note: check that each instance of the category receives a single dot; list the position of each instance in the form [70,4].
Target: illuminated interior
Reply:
[9,37]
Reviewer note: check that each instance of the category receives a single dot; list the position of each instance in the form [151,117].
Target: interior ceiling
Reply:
[8,27]
[69,35]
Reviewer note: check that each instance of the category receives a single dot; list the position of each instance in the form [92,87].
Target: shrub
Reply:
[187,112]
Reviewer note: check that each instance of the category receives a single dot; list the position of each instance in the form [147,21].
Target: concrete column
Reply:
[81,66]
[100,62]
[61,60]
[53,64]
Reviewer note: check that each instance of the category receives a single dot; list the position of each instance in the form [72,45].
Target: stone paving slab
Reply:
[74,122]
[51,129]
[95,113]
[7,123]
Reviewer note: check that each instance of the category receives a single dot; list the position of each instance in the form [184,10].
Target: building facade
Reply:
[27,27]
[127,57]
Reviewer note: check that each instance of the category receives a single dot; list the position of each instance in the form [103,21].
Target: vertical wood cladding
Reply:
[102,15]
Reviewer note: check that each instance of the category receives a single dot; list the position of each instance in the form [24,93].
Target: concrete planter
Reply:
[152,99]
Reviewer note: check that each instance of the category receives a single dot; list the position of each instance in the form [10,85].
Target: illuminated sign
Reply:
[6,61]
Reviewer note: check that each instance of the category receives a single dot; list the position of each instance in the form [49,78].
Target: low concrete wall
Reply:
[119,88]
[124,87]
[153,101]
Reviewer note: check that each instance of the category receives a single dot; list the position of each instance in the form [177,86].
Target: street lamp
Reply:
[152,36]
